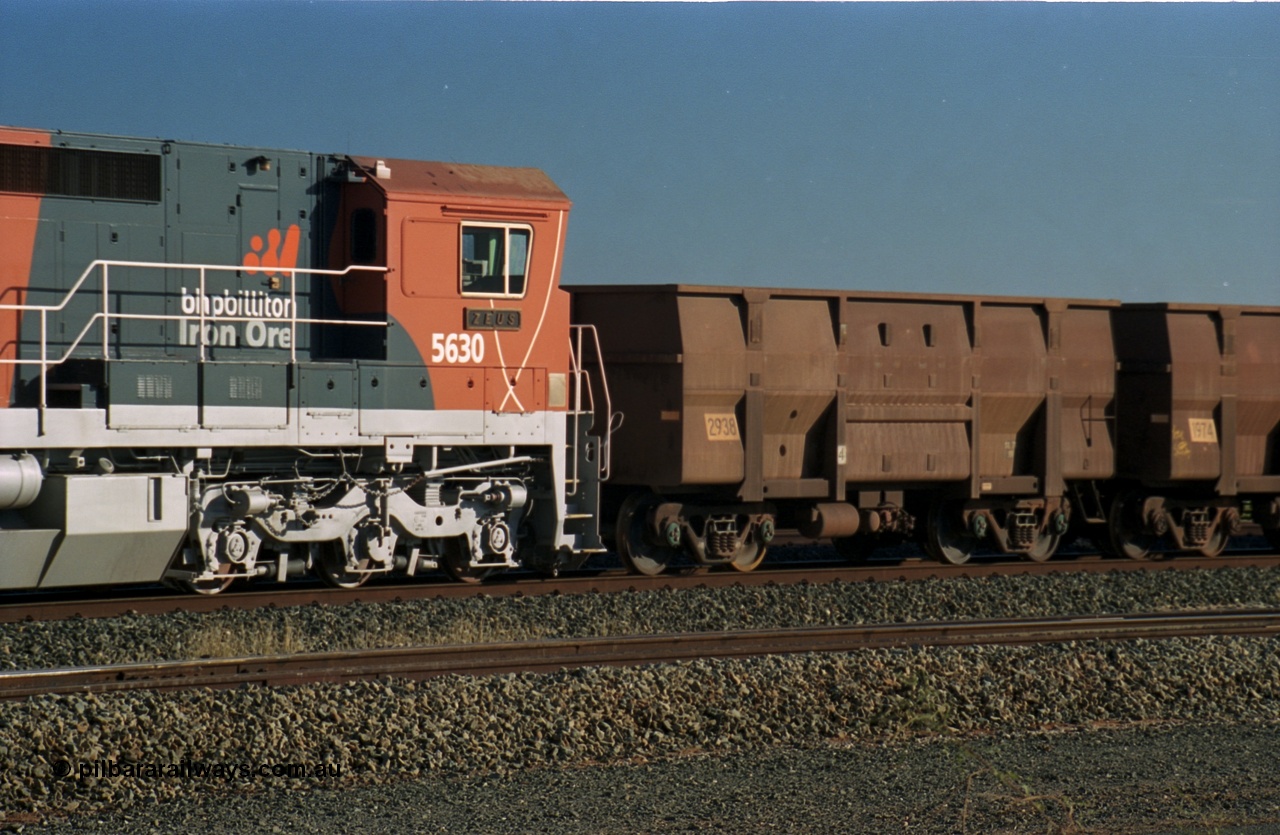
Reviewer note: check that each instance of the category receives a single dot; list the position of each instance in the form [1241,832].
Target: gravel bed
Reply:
[361,626]
[1134,780]
[547,730]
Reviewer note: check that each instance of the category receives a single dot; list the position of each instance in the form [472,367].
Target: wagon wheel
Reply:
[750,556]
[946,538]
[1046,545]
[1217,542]
[855,549]
[1128,539]
[637,552]
[330,562]
[1100,536]
[456,557]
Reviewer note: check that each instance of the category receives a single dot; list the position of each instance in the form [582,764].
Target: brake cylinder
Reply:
[831,519]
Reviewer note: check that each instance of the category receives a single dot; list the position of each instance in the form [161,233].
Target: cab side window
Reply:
[364,236]
[495,259]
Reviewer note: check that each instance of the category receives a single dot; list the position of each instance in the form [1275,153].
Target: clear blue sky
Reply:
[1128,151]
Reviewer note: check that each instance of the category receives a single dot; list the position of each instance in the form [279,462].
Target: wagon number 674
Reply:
[457,347]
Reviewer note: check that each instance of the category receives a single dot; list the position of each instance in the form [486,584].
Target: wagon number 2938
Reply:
[457,347]
[722,427]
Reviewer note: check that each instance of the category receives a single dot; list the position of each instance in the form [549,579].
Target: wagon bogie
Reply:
[654,533]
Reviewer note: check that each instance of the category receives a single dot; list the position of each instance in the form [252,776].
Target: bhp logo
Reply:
[273,255]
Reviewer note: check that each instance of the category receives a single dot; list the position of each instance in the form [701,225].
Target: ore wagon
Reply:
[862,417]
[1199,426]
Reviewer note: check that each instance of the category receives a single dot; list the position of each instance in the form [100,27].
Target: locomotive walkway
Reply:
[553,655]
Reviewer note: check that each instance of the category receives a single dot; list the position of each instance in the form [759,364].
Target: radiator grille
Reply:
[79,172]
[155,387]
[246,388]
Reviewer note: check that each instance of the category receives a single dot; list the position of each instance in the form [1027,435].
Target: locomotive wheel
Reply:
[946,538]
[457,561]
[330,562]
[215,585]
[1046,546]
[633,545]
[855,549]
[1273,537]
[751,557]
[1128,540]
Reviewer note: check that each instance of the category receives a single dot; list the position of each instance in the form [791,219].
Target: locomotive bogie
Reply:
[354,527]
[255,508]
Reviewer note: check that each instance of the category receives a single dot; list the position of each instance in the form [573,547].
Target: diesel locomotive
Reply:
[242,362]
[225,362]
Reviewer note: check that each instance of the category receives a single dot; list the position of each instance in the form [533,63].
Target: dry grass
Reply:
[473,632]
[286,639]
[221,642]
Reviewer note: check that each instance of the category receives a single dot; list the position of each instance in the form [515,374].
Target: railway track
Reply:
[552,655]
[158,601]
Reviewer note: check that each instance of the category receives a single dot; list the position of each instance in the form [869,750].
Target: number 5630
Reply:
[457,347]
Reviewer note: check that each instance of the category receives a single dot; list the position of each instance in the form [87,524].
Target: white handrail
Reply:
[165,265]
[105,316]
[580,374]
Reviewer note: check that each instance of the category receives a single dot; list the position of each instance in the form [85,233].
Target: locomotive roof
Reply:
[412,177]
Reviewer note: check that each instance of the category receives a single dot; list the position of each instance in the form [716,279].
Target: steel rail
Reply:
[553,655]
[160,601]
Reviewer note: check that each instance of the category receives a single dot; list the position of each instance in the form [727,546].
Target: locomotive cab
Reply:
[471,286]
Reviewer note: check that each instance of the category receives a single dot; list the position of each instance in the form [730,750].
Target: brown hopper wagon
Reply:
[854,416]
[1198,425]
